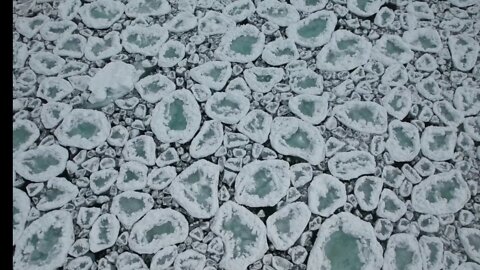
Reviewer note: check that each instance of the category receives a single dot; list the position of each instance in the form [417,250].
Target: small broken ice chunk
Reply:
[467,100]
[256,125]
[24,134]
[213,74]
[295,137]
[408,21]
[262,79]
[403,142]
[118,136]
[428,223]
[70,45]
[80,263]
[363,116]
[154,87]
[426,62]
[464,50]
[196,189]
[143,8]
[128,261]
[170,53]
[390,206]
[438,143]
[285,226]
[232,140]
[214,23]
[227,107]
[431,249]
[314,30]
[395,75]
[191,5]
[344,240]
[308,6]
[243,234]
[472,127]
[306,81]
[385,16]
[176,118]
[168,157]
[383,229]
[56,194]
[420,10]
[83,128]
[439,194]
[367,192]
[182,22]
[377,145]
[447,113]
[326,194]
[159,228]
[262,183]
[364,8]
[280,52]
[309,108]
[281,14]
[345,51]
[301,174]
[21,208]
[424,39]
[241,44]
[87,216]
[350,165]
[54,89]
[207,140]
[101,14]
[164,257]
[332,146]
[53,30]
[41,163]
[73,68]
[20,55]
[144,40]
[26,77]
[113,81]
[102,48]
[402,252]
[429,88]
[397,102]
[392,176]
[160,178]
[104,232]
[44,244]
[470,239]
[68,9]
[46,63]
[29,26]
[141,149]
[391,49]
[424,167]
[239,10]
[102,180]
[202,93]
[130,206]
[190,259]
[132,176]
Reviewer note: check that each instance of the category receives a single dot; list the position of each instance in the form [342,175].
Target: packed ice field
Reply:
[273,135]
